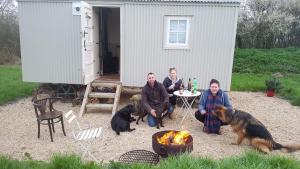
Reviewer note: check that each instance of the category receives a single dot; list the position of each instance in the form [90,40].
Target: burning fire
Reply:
[174,137]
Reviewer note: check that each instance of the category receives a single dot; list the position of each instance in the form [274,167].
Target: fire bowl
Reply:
[169,147]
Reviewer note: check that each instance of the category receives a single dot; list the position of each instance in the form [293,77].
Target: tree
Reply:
[9,33]
[268,24]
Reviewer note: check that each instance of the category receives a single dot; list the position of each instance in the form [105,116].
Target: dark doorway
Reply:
[109,36]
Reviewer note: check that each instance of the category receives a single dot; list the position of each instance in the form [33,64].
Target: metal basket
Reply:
[139,156]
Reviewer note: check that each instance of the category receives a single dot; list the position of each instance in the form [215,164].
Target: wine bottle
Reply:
[190,85]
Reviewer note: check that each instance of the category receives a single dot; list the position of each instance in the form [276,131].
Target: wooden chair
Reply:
[47,115]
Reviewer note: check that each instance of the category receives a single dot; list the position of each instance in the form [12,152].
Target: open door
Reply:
[109,38]
[88,57]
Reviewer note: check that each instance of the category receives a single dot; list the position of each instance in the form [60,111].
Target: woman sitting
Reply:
[210,98]
[172,83]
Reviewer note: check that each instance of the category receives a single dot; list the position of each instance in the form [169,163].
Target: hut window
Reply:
[177,32]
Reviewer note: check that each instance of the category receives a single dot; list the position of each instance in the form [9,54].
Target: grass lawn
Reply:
[256,82]
[11,85]
[291,90]
[248,82]
[249,160]
[252,67]
[261,61]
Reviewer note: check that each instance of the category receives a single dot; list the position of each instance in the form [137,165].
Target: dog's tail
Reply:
[287,148]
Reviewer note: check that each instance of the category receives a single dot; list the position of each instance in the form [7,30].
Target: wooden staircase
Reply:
[89,93]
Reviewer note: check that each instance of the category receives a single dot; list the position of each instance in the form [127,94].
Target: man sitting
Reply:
[154,98]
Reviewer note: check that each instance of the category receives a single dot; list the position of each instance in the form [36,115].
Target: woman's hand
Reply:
[203,112]
[171,87]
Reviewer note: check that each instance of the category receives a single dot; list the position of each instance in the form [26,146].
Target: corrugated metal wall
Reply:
[212,38]
[50,42]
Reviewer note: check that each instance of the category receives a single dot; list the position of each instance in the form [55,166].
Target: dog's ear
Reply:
[219,107]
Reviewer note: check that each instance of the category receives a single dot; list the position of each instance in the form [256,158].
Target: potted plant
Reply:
[272,85]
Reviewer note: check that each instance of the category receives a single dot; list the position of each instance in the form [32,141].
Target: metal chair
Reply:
[44,111]
[83,137]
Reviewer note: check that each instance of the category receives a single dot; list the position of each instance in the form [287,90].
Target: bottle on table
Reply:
[194,86]
[181,87]
[190,85]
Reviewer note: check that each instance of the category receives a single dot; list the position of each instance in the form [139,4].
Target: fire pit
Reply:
[172,142]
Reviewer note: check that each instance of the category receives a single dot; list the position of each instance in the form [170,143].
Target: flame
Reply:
[174,137]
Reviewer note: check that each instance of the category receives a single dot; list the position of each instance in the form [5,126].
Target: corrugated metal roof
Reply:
[193,1]
[182,1]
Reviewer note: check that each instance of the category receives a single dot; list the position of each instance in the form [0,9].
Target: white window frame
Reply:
[167,44]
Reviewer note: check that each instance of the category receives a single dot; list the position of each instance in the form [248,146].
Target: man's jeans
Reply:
[151,120]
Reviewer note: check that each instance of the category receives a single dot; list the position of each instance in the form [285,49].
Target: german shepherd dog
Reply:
[246,126]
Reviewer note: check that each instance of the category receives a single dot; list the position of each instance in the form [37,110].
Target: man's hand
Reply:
[153,112]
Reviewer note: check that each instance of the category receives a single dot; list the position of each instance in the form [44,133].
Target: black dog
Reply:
[122,118]
[159,118]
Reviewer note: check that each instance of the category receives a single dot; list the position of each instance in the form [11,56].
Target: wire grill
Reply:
[139,156]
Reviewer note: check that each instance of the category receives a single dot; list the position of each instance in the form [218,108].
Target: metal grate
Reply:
[139,156]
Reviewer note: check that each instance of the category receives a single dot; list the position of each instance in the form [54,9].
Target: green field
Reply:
[11,85]
[250,160]
[267,61]
[253,66]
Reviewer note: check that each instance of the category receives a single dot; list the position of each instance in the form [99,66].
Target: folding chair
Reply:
[83,136]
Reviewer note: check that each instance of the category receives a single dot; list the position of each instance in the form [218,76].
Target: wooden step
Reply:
[100,106]
[102,95]
[117,98]
[89,94]
[85,100]
[103,84]
[107,81]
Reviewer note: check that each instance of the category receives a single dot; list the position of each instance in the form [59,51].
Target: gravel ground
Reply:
[18,130]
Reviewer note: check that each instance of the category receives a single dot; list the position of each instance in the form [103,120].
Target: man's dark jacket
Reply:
[155,97]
